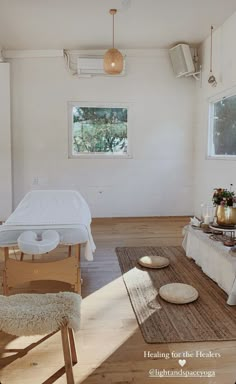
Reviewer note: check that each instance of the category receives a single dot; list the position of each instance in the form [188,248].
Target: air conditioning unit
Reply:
[181,59]
[88,66]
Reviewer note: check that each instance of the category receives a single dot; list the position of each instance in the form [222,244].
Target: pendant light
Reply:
[211,80]
[113,59]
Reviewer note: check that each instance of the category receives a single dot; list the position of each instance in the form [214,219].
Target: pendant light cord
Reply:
[212,80]
[113,30]
[211,50]
[113,12]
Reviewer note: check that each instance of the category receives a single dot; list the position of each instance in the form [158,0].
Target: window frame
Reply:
[211,101]
[96,155]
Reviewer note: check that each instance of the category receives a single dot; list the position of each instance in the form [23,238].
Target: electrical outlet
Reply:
[35,180]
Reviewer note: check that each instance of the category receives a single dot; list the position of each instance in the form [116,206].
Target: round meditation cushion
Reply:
[29,242]
[154,261]
[178,293]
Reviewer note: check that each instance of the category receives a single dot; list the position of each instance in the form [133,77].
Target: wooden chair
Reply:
[22,315]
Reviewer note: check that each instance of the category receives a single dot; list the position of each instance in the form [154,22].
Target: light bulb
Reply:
[113,64]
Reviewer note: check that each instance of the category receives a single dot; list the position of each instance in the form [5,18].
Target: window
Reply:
[98,130]
[222,127]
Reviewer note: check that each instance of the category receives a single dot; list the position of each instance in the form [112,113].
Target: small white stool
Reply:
[40,314]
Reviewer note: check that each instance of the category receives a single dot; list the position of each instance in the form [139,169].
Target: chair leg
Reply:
[5,284]
[67,354]
[72,346]
[77,255]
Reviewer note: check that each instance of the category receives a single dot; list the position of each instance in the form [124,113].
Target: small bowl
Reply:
[229,243]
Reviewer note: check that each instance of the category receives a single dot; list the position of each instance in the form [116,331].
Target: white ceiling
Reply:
[87,24]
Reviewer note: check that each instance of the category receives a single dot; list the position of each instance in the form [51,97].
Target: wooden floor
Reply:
[110,346]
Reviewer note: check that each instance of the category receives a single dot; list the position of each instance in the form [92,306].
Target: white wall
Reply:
[209,173]
[156,181]
[5,143]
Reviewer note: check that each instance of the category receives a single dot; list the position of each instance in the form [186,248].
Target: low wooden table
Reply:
[216,260]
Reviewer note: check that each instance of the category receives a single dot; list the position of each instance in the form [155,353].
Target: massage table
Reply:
[42,213]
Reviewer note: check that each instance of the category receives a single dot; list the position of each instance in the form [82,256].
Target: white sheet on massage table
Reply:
[63,210]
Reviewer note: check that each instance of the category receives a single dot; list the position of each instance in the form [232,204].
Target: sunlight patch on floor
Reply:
[107,321]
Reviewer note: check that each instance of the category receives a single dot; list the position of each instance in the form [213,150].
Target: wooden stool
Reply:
[40,314]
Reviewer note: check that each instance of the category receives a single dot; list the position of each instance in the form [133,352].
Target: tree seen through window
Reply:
[99,130]
[224,127]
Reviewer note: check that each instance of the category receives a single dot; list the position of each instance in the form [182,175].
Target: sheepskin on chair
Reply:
[39,314]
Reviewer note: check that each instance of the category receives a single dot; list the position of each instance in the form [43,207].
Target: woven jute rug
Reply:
[208,318]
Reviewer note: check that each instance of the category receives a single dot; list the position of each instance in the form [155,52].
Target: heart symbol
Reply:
[182,362]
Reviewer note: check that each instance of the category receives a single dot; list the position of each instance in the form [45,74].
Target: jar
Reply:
[207,213]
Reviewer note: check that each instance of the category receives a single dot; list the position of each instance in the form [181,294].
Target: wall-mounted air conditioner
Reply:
[181,59]
[88,66]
